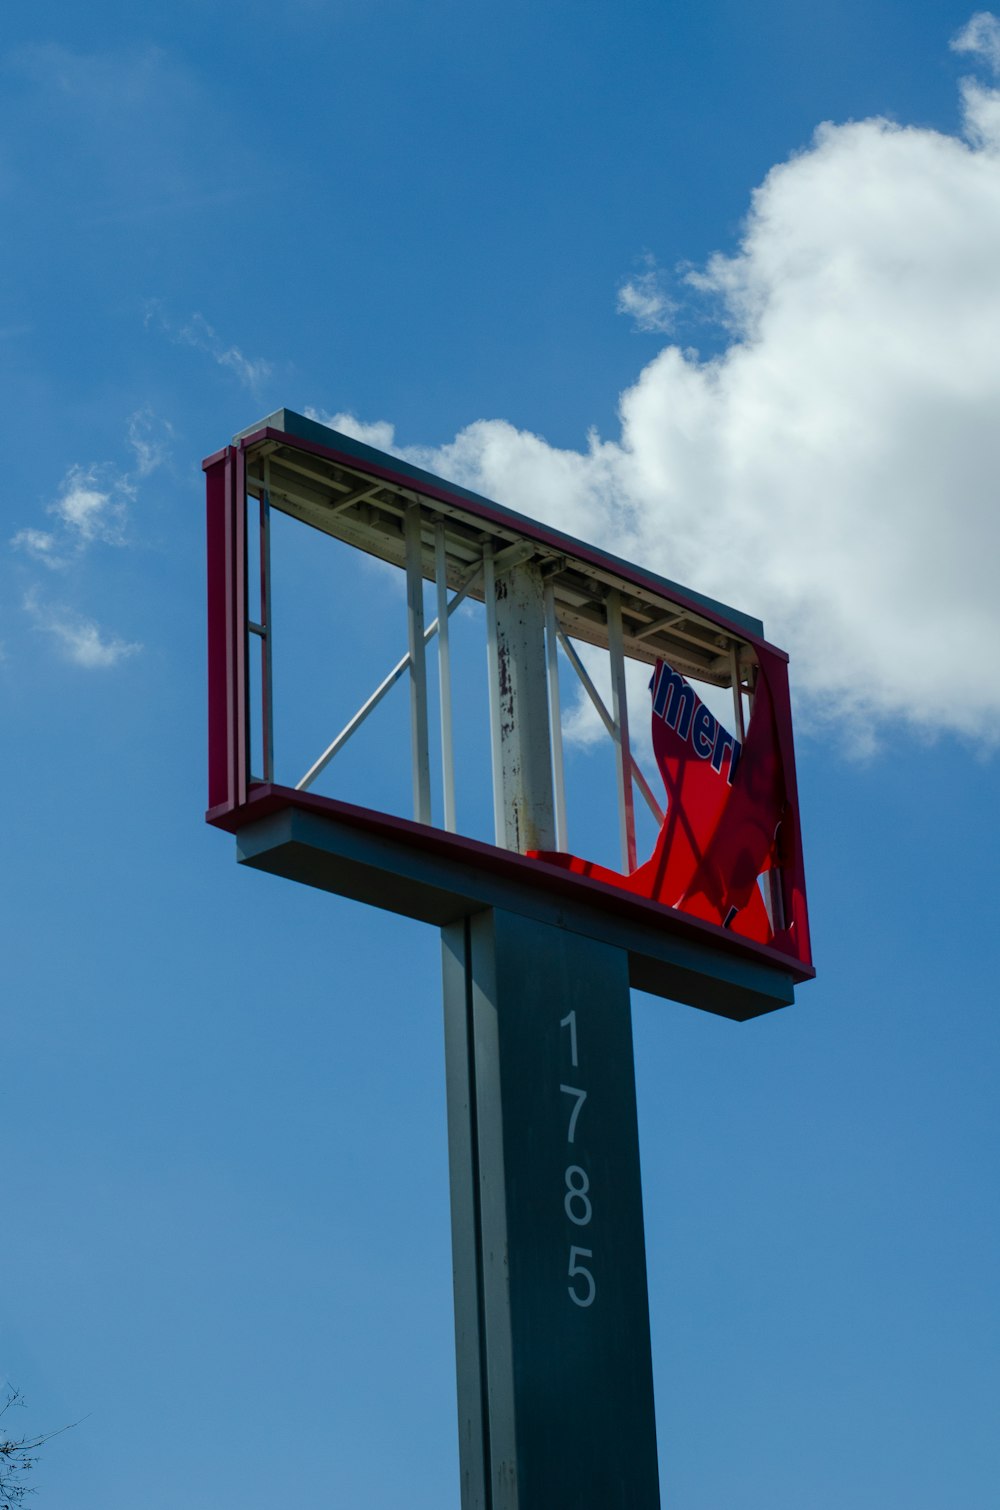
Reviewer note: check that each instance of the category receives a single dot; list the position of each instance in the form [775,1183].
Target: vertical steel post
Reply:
[772,888]
[555,1389]
[555,715]
[225,520]
[740,730]
[623,752]
[444,677]
[493,689]
[525,747]
[266,643]
[418,667]
[240,687]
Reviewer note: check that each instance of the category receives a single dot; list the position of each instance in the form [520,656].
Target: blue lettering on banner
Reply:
[703,733]
[677,703]
[674,700]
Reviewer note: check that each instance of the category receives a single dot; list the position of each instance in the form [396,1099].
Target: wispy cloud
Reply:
[149,439]
[85,646]
[196,332]
[80,640]
[93,502]
[42,546]
[91,509]
[645,300]
[251,371]
[981,37]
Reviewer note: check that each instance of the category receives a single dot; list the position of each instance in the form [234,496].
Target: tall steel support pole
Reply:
[555,1388]
[555,1392]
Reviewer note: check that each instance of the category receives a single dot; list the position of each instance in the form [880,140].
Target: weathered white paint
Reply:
[524,736]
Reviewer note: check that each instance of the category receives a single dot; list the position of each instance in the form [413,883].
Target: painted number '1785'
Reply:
[577,1204]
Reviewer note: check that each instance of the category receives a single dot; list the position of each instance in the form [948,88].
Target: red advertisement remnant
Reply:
[729,818]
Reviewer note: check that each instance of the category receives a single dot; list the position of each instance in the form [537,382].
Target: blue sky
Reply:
[598,263]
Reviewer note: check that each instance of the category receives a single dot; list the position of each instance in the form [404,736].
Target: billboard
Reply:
[708,900]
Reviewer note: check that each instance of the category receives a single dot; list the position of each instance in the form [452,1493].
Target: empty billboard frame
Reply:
[546,598]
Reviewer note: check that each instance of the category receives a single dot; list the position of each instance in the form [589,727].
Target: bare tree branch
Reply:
[18,1455]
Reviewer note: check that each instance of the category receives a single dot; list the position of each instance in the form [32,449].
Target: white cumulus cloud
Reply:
[835,468]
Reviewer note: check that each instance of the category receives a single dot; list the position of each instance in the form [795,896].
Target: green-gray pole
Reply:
[555,1385]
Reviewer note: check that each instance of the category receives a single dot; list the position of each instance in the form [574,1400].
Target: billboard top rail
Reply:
[358,494]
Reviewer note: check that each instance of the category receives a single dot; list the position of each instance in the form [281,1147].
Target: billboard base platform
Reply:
[439,878]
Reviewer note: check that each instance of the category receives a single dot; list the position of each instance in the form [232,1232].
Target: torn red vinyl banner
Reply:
[727,809]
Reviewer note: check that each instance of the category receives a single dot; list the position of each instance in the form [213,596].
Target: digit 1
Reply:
[570,1022]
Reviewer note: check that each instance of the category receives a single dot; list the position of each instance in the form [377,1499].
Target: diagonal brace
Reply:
[400,668]
[609,724]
